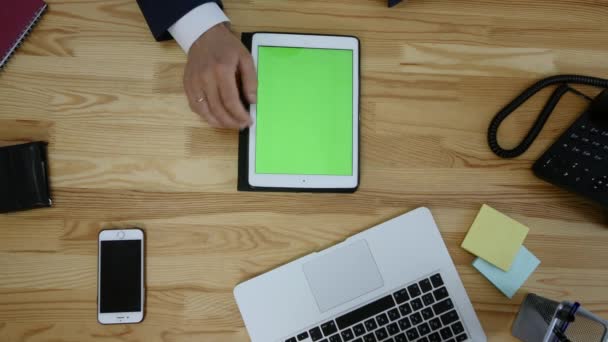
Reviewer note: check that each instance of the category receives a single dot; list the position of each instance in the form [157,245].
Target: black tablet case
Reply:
[243,167]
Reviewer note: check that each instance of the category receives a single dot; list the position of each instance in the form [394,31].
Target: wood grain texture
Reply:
[126,151]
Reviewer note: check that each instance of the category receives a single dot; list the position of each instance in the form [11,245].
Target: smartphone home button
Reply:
[120,235]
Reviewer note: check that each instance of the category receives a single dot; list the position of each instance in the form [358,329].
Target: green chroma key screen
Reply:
[305,111]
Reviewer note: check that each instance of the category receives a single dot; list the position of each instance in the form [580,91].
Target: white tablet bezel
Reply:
[307,181]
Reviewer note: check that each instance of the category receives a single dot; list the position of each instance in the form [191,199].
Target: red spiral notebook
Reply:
[17,18]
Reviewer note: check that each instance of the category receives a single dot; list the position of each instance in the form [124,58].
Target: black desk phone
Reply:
[578,160]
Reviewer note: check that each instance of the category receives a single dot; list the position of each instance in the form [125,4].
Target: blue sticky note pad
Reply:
[509,282]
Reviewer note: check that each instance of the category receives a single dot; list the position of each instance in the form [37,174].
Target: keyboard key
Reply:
[427,314]
[434,337]
[461,338]
[428,299]
[443,306]
[457,328]
[358,340]
[435,324]
[425,285]
[364,312]
[335,338]
[393,329]
[389,340]
[437,280]
[329,328]
[446,333]
[347,335]
[325,340]
[401,296]
[394,314]
[412,334]
[400,338]
[414,290]
[315,334]
[415,318]
[449,317]
[416,304]
[370,324]
[382,320]
[424,339]
[423,329]
[405,323]
[405,309]
[381,334]
[440,293]
[293,339]
[302,336]
[359,329]
[369,338]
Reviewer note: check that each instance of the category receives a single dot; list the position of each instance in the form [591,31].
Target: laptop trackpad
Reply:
[343,275]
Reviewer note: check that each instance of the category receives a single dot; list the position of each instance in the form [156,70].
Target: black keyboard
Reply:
[578,160]
[421,311]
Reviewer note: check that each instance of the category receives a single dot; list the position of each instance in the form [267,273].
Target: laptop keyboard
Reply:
[421,311]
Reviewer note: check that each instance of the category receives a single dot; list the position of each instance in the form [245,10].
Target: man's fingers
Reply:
[229,93]
[202,108]
[249,78]
[218,112]
[194,94]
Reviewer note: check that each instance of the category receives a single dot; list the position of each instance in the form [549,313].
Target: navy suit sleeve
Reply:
[161,14]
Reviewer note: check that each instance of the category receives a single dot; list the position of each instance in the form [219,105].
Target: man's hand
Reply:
[218,66]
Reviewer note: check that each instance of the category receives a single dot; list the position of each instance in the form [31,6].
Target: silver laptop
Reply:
[394,282]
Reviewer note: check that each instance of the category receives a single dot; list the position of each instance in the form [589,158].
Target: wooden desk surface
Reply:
[125,150]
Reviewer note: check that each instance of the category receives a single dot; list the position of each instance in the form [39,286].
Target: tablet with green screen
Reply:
[306,121]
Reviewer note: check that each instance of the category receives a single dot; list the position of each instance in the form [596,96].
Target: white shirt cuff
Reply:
[196,22]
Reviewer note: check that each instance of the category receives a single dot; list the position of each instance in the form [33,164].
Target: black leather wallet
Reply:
[23,177]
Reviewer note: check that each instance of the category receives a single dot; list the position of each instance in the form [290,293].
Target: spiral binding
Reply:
[22,37]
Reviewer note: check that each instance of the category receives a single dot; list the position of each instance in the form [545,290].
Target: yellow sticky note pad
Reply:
[495,237]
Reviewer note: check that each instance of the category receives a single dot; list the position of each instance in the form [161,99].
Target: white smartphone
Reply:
[120,278]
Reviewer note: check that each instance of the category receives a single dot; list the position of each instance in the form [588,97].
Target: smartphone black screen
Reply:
[120,276]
